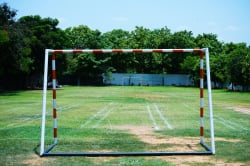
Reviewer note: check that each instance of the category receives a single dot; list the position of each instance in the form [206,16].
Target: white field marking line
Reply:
[23,122]
[22,107]
[152,118]
[95,115]
[230,124]
[29,120]
[34,103]
[225,122]
[3,139]
[4,102]
[221,120]
[190,108]
[162,117]
[110,125]
[103,117]
[38,116]
[63,108]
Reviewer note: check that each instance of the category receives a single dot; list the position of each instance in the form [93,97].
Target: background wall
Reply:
[147,79]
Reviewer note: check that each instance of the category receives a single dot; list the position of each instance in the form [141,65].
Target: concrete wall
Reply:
[126,79]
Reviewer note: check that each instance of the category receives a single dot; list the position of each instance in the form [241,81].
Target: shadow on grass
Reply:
[9,93]
[36,150]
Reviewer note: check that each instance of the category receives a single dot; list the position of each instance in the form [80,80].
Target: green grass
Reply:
[116,118]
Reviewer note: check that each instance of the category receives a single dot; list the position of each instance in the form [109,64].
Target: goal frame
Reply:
[209,150]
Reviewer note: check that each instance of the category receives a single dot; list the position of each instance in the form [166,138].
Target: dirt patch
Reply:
[181,144]
[147,135]
[196,160]
[228,140]
[35,160]
[243,110]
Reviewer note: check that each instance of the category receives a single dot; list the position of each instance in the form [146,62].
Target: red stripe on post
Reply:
[55,132]
[201,73]
[77,51]
[53,74]
[54,113]
[158,50]
[197,50]
[201,112]
[53,56]
[201,131]
[54,94]
[117,50]
[178,50]
[137,50]
[201,93]
[97,51]
[58,51]
[201,55]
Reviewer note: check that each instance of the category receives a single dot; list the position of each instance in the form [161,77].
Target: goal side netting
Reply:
[159,109]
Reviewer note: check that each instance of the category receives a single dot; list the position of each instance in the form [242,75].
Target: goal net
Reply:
[127,121]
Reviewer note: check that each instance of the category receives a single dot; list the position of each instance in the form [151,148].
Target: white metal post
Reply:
[44,101]
[210,106]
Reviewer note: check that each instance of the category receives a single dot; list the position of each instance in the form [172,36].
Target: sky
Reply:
[228,19]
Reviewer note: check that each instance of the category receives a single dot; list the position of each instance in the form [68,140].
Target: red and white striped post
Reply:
[201,97]
[54,95]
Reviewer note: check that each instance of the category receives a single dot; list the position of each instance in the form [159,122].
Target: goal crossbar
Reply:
[209,150]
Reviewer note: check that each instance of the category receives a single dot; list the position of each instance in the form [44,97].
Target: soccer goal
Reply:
[47,149]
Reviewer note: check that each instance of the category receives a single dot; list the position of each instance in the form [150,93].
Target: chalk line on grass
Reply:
[23,122]
[222,121]
[162,117]
[229,124]
[13,138]
[67,107]
[152,118]
[95,115]
[190,108]
[103,117]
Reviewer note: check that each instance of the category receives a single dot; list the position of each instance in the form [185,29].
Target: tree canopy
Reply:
[23,41]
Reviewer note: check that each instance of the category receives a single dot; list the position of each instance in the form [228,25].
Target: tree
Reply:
[82,37]
[41,33]
[116,39]
[217,57]
[160,38]
[181,39]
[140,38]
[191,66]
[238,64]
[7,15]
[13,62]
[84,66]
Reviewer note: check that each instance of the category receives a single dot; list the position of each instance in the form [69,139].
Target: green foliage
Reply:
[7,15]
[22,45]
[82,37]
[191,66]
[238,63]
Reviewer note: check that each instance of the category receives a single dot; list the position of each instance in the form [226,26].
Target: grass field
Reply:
[128,119]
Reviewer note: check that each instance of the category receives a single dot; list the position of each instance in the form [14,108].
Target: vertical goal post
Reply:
[209,150]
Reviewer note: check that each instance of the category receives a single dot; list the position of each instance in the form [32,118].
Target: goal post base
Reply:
[206,147]
[50,148]
[119,154]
